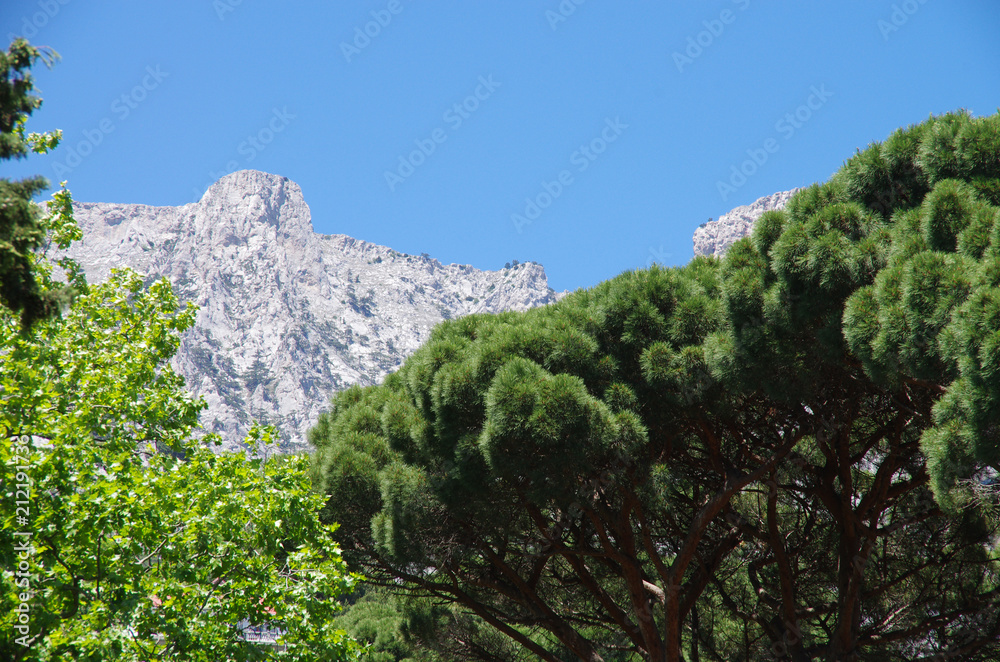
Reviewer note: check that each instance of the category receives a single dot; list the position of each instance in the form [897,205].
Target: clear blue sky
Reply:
[159,98]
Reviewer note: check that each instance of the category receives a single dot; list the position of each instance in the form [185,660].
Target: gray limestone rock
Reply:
[287,316]
[714,237]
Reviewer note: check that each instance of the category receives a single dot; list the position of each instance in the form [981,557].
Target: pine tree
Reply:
[22,229]
[779,454]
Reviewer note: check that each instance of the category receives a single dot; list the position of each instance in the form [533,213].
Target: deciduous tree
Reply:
[123,535]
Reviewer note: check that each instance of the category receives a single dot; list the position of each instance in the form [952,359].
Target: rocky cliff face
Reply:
[714,237]
[287,316]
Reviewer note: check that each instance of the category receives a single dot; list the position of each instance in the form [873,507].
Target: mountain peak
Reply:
[286,316]
[248,182]
[253,197]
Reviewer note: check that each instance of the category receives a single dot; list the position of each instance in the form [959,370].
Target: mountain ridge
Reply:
[715,237]
[286,316]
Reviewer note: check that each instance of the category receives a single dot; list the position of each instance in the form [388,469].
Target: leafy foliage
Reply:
[124,537]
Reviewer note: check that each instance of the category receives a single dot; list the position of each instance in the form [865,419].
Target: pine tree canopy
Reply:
[784,453]
[22,226]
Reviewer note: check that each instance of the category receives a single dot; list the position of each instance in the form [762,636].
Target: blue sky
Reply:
[590,136]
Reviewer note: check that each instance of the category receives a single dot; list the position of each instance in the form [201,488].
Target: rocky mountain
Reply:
[714,237]
[287,316]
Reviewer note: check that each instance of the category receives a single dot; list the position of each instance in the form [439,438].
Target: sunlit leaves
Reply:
[146,544]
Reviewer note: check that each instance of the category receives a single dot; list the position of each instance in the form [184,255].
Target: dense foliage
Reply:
[124,537]
[398,628]
[788,453]
[20,230]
